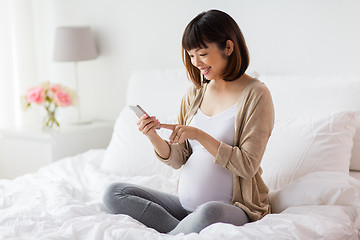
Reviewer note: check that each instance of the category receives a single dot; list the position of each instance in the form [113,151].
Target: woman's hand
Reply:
[147,125]
[181,132]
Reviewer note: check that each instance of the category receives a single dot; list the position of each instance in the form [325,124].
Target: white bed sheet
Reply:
[63,201]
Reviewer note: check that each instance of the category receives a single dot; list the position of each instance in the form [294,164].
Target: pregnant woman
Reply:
[224,124]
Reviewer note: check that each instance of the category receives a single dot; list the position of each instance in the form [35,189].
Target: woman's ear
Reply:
[229,48]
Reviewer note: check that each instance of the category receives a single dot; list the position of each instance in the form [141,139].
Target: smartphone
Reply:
[139,111]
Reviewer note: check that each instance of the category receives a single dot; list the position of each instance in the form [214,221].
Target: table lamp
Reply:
[74,44]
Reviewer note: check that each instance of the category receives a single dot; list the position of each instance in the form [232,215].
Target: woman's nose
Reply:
[196,61]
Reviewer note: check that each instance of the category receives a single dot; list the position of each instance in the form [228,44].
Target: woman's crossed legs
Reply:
[164,213]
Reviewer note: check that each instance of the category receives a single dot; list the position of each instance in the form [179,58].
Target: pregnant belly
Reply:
[202,181]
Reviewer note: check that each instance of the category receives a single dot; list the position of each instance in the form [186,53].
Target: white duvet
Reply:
[63,201]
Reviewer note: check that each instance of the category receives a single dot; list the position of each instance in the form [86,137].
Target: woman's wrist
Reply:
[152,135]
[207,141]
[198,134]
[161,147]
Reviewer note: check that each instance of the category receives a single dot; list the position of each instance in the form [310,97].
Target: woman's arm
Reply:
[181,133]
[208,142]
[147,125]
[174,155]
[160,146]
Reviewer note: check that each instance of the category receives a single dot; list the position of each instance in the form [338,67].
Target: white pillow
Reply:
[295,96]
[308,144]
[130,153]
[318,188]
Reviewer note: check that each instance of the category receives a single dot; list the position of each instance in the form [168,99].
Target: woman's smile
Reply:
[205,71]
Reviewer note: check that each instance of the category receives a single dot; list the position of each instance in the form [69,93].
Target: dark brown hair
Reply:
[217,27]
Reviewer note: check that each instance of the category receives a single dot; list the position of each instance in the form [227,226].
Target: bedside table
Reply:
[26,149]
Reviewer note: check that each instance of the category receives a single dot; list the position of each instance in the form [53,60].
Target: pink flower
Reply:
[55,88]
[36,95]
[62,99]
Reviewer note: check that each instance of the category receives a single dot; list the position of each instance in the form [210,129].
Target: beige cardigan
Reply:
[254,122]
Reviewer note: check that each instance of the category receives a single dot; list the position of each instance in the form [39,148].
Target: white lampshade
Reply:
[74,44]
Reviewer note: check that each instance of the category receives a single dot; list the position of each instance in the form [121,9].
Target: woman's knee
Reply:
[112,194]
[211,211]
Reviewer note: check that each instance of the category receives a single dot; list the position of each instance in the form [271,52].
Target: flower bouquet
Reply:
[50,96]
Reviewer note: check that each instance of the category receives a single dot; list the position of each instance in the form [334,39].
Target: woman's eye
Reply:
[202,55]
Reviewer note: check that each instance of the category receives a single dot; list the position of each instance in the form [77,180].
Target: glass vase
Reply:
[50,121]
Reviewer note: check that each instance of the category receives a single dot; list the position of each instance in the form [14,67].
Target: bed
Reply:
[316,140]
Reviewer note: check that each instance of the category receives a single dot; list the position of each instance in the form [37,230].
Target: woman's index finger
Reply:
[168,126]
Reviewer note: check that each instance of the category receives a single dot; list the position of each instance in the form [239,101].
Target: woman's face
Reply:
[211,60]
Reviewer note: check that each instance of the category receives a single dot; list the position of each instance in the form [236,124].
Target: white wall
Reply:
[307,37]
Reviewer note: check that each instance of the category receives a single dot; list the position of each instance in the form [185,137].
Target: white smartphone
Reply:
[139,111]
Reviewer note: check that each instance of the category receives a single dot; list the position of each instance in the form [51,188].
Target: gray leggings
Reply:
[164,213]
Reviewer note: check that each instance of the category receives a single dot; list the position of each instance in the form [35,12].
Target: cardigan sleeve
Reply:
[180,152]
[255,122]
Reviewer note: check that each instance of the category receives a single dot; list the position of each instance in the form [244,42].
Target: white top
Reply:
[201,179]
